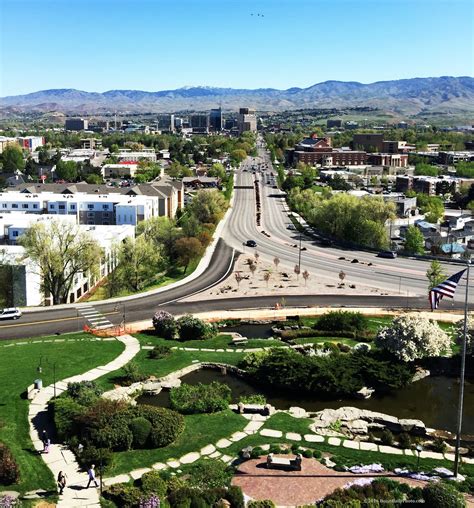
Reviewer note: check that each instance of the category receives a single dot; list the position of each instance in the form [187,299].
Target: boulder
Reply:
[358,426]
[413,426]
[364,393]
[298,412]
[420,374]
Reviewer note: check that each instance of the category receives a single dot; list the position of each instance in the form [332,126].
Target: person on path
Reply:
[61,482]
[47,445]
[91,475]
[44,439]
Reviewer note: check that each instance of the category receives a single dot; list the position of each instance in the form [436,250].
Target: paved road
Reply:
[400,276]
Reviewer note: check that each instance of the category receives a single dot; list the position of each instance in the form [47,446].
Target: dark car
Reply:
[388,254]
[251,243]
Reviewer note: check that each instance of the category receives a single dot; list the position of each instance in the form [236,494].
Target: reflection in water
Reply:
[432,400]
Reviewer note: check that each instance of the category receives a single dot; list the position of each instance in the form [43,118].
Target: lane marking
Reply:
[51,321]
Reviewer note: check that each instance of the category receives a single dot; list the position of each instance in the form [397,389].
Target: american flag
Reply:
[446,288]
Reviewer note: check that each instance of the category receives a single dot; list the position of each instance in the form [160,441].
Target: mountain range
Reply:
[417,96]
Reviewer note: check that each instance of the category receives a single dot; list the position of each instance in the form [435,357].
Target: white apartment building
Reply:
[95,204]
[27,276]
[148,154]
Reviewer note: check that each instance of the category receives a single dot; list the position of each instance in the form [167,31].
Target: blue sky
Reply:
[98,45]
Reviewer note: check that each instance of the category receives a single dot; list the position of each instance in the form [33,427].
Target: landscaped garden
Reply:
[65,356]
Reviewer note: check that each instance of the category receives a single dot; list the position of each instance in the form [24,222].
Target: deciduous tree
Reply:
[435,274]
[188,249]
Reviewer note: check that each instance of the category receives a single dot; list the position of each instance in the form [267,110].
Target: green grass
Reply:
[18,369]
[221,341]
[200,430]
[322,340]
[175,361]
[287,423]
[173,275]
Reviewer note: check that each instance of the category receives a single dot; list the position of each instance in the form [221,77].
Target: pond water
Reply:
[250,331]
[433,399]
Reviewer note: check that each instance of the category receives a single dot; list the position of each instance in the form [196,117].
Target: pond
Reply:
[250,331]
[433,399]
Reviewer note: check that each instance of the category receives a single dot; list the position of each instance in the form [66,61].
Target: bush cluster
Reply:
[200,398]
[341,320]
[333,375]
[103,424]
[186,327]
[160,351]
[9,470]
[203,484]
[362,336]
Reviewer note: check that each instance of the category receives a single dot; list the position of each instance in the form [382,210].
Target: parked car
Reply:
[10,313]
[251,243]
[388,254]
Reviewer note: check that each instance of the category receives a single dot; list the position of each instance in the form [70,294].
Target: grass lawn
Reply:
[175,361]
[200,430]
[174,275]
[221,341]
[18,369]
[287,423]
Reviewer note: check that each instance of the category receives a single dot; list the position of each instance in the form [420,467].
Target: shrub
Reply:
[152,483]
[412,336]
[191,328]
[404,440]
[115,435]
[92,455]
[65,413]
[274,449]
[256,452]
[209,473]
[256,398]
[166,425]
[200,398]
[132,374]
[123,495]
[265,503]
[235,497]
[140,428]
[84,392]
[343,348]
[9,470]
[339,320]
[164,324]
[160,351]
[308,454]
[387,438]
[442,495]
[317,454]
[439,445]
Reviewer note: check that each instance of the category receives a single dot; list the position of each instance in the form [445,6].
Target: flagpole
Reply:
[463,370]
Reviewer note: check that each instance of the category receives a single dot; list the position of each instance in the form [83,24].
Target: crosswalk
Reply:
[94,317]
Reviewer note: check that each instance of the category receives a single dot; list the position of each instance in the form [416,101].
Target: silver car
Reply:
[10,313]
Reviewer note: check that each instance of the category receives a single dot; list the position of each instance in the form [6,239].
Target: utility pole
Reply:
[299,254]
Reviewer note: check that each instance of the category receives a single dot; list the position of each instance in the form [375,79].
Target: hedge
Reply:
[200,398]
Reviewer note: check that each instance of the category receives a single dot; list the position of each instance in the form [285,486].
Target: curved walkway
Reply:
[60,458]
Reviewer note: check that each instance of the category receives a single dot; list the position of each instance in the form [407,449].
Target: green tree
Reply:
[238,155]
[66,170]
[208,206]
[139,262]
[162,232]
[431,206]
[60,251]
[188,249]
[435,274]
[426,169]
[12,158]
[217,170]
[414,241]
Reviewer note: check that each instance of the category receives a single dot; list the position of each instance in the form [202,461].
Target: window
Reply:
[14,205]
[90,215]
[73,206]
[105,207]
[62,207]
[24,205]
[52,206]
[4,205]
[35,206]
[90,207]
[106,215]
[15,233]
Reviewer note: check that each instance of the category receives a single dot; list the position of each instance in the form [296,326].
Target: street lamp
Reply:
[117,308]
[39,369]
[419,449]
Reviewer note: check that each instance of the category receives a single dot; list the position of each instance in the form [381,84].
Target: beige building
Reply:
[247,120]
[119,170]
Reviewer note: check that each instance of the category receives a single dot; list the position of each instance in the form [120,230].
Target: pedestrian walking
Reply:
[44,439]
[61,482]
[91,475]
[47,445]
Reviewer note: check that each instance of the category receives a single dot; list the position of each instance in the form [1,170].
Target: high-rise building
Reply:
[76,124]
[215,120]
[165,122]
[247,120]
[199,122]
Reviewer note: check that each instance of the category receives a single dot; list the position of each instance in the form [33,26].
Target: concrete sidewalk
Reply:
[60,458]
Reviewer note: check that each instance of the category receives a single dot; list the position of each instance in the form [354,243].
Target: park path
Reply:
[60,458]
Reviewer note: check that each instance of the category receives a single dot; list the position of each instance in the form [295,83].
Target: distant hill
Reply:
[448,95]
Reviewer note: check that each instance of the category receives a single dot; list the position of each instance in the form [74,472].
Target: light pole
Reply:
[419,449]
[117,308]
[299,254]
[40,370]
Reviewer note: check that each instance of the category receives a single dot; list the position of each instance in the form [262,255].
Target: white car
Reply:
[10,313]
[291,227]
